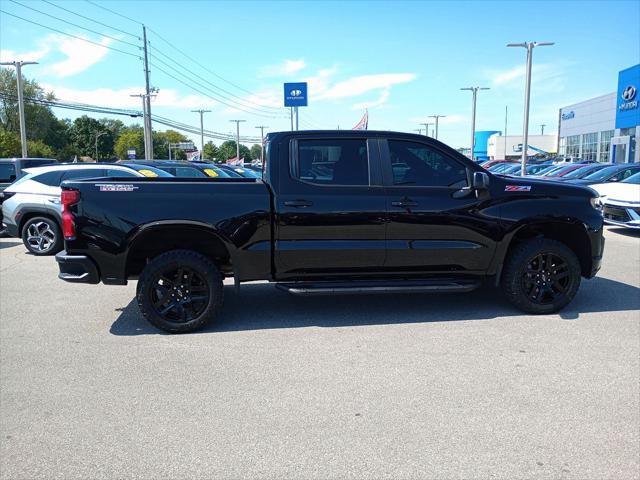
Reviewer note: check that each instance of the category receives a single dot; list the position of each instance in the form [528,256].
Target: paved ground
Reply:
[443,386]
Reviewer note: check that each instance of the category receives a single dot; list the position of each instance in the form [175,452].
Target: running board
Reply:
[384,286]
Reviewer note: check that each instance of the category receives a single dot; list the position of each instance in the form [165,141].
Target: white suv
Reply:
[31,205]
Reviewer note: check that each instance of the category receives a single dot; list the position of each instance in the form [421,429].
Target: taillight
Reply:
[68,198]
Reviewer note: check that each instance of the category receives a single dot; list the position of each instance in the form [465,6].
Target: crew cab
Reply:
[335,212]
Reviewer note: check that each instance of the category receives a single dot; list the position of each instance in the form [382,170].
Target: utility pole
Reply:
[98,135]
[148,139]
[262,127]
[419,130]
[23,129]
[474,90]
[201,112]
[542,128]
[506,116]
[426,128]
[237,137]
[527,95]
[148,130]
[436,117]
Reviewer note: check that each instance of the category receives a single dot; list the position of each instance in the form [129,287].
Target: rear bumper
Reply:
[77,268]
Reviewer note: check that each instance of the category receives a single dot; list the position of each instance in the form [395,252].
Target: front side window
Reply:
[333,162]
[416,164]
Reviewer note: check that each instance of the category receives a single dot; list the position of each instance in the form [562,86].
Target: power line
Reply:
[91,19]
[75,24]
[115,13]
[246,103]
[186,55]
[71,35]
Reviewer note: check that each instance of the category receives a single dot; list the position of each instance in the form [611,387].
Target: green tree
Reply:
[85,132]
[9,144]
[161,141]
[255,151]
[211,152]
[37,148]
[228,150]
[131,137]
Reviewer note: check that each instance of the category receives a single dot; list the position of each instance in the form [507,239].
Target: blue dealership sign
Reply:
[295,94]
[628,109]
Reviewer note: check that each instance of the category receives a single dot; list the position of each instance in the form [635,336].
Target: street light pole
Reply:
[23,128]
[542,128]
[97,137]
[527,95]
[201,112]
[426,128]
[436,117]
[237,137]
[474,98]
[262,127]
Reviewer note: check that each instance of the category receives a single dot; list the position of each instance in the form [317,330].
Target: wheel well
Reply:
[572,235]
[29,215]
[156,241]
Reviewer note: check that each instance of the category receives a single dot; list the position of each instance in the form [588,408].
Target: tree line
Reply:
[63,139]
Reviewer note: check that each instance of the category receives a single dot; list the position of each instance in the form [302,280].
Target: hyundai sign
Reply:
[295,94]
[628,110]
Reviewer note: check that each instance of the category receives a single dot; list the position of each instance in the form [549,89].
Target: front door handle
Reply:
[405,203]
[298,203]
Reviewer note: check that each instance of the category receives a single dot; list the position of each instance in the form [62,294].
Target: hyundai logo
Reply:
[295,93]
[629,93]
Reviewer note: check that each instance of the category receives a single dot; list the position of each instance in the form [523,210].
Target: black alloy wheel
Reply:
[180,294]
[546,278]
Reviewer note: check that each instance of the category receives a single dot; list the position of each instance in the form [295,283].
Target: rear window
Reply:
[7,172]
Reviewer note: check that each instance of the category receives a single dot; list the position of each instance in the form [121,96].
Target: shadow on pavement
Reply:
[261,306]
[627,232]
[9,244]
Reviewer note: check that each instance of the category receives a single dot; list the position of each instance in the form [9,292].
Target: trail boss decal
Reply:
[116,187]
[517,188]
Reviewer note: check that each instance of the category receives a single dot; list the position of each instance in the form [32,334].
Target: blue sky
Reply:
[401,60]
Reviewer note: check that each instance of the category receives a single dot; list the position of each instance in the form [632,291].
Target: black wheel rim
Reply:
[546,278]
[180,294]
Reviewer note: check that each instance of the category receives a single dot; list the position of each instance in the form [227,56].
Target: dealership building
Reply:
[604,128]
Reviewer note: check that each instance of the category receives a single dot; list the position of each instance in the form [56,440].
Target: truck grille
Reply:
[616,214]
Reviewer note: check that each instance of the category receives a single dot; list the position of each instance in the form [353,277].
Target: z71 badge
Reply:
[116,187]
[517,188]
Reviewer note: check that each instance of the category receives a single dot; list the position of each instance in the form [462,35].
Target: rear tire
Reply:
[180,291]
[541,276]
[42,236]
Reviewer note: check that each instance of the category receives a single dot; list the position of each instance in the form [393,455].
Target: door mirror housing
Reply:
[480,180]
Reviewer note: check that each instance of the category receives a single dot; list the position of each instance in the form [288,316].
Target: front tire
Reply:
[541,276]
[180,291]
[42,236]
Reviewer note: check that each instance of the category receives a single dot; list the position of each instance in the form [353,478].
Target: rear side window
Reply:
[78,173]
[188,172]
[7,172]
[111,172]
[416,164]
[53,179]
[333,162]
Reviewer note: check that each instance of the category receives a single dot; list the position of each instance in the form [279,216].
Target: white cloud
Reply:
[549,76]
[121,98]
[381,100]
[33,56]
[358,85]
[287,67]
[80,55]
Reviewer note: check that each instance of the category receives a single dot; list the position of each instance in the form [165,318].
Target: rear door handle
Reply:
[298,203]
[405,203]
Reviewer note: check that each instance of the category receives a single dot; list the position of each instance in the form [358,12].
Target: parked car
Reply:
[12,168]
[242,171]
[501,168]
[621,201]
[558,171]
[613,173]
[184,169]
[583,171]
[31,206]
[437,223]
[488,164]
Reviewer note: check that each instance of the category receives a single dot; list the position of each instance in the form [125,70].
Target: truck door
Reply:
[434,225]
[330,208]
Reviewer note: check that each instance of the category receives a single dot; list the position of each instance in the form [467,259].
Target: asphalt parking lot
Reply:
[449,386]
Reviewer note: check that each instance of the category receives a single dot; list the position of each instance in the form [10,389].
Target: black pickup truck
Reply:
[336,212]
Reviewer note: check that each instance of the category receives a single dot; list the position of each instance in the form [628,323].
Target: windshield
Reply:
[635,179]
[548,169]
[148,170]
[602,174]
[580,172]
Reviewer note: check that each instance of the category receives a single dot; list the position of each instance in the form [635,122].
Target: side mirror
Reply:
[614,179]
[480,180]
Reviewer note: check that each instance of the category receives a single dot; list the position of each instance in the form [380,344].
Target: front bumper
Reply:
[77,268]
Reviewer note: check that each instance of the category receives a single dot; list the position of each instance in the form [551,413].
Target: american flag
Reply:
[363,124]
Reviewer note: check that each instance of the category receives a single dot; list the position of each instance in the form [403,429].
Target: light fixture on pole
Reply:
[262,127]
[237,138]
[527,94]
[474,98]
[23,128]
[98,135]
[436,117]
